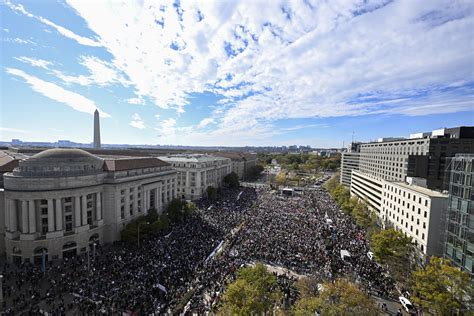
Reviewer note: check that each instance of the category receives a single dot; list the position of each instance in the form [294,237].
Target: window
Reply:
[426,214]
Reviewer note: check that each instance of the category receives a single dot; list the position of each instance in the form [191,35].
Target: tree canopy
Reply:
[339,298]
[393,248]
[232,180]
[252,293]
[444,289]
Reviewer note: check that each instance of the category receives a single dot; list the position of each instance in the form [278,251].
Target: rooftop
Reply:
[191,158]
[421,190]
[120,164]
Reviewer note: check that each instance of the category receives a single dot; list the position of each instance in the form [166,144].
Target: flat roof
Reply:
[191,158]
[418,189]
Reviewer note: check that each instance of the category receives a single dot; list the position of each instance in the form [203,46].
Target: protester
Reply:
[200,256]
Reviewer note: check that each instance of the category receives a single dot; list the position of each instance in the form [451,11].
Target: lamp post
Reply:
[1,288]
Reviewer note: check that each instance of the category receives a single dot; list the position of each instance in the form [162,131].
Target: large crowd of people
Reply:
[188,267]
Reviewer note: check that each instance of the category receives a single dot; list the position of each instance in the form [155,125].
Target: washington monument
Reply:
[96,130]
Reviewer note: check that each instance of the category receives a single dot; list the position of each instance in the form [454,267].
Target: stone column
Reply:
[158,198]
[84,210]
[98,206]
[32,216]
[77,211]
[144,200]
[135,200]
[59,215]
[198,181]
[13,216]
[24,217]
[7,214]
[127,203]
[50,215]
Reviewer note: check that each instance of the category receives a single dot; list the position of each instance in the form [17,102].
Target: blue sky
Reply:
[234,73]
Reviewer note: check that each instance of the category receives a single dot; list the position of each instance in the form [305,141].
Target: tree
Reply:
[254,172]
[211,193]
[176,210]
[280,178]
[441,287]
[394,249]
[339,298]
[308,286]
[252,293]
[151,216]
[332,184]
[363,215]
[341,194]
[232,180]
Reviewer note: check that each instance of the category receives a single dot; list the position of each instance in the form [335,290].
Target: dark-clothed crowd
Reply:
[188,267]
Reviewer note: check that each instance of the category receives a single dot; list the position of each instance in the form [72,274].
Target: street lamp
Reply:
[1,288]
[138,232]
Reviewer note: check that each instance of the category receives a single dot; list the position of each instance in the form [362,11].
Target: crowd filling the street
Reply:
[187,267]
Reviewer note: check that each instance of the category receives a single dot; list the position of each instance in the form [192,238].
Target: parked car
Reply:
[407,305]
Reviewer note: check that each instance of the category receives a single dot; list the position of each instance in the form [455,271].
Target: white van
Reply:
[407,305]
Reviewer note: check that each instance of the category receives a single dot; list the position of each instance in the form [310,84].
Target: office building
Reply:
[61,201]
[196,172]
[349,161]
[418,212]
[459,244]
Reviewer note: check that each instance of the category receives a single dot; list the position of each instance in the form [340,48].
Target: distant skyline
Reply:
[234,73]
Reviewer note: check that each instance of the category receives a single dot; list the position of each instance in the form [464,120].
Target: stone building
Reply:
[59,202]
[241,162]
[196,172]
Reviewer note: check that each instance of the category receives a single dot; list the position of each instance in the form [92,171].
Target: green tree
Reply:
[308,286]
[232,180]
[177,210]
[363,215]
[280,178]
[341,194]
[252,293]
[442,288]
[211,193]
[339,298]
[393,248]
[332,184]
[151,216]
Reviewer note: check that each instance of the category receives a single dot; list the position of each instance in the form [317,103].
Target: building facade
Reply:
[349,162]
[369,189]
[196,172]
[241,162]
[418,212]
[61,201]
[459,244]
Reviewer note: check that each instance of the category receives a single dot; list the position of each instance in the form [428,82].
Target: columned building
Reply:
[241,162]
[59,202]
[196,172]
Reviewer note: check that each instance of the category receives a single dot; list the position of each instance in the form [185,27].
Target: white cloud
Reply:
[57,93]
[101,73]
[13,130]
[35,62]
[309,60]
[61,30]
[136,101]
[205,122]
[137,121]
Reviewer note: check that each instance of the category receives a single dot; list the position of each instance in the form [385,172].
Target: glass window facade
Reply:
[459,245]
